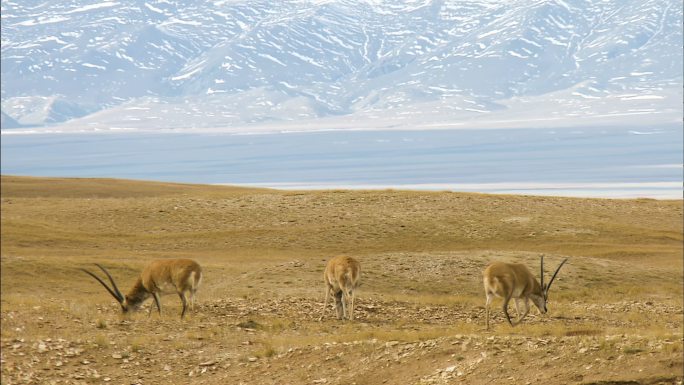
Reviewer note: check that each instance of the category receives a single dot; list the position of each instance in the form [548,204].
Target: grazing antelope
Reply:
[182,276]
[514,280]
[341,277]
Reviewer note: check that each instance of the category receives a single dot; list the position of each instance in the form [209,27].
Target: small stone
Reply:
[117,356]
[252,359]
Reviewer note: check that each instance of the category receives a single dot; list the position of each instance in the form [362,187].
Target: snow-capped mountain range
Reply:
[234,64]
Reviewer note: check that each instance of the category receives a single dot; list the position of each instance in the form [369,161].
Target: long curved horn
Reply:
[116,289]
[117,297]
[542,271]
[554,274]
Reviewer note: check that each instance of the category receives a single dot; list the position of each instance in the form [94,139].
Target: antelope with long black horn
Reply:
[181,276]
[515,280]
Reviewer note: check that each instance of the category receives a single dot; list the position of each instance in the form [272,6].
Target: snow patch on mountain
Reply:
[241,64]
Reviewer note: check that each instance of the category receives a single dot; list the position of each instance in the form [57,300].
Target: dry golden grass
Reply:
[92,217]
[263,254]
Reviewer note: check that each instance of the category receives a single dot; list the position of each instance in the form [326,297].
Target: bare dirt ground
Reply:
[615,311]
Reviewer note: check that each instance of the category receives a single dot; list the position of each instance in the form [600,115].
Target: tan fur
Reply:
[512,280]
[181,276]
[341,278]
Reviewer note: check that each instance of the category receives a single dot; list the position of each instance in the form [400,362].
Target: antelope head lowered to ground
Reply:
[514,280]
[181,276]
[341,278]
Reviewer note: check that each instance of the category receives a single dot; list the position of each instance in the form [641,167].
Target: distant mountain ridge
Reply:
[209,64]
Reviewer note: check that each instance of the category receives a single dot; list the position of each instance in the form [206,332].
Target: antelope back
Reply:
[502,278]
[181,274]
[343,272]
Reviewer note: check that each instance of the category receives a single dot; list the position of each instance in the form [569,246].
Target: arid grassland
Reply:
[615,310]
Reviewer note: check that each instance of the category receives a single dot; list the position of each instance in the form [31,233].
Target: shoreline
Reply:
[615,190]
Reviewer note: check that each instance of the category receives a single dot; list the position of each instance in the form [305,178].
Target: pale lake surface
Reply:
[588,161]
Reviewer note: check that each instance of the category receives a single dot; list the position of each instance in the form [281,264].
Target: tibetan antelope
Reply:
[341,278]
[514,280]
[181,276]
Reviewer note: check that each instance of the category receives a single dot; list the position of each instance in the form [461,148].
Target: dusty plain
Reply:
[615,311]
